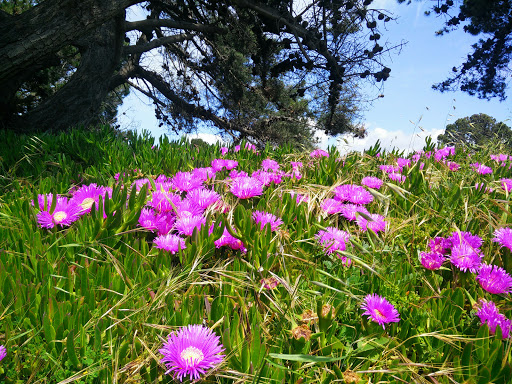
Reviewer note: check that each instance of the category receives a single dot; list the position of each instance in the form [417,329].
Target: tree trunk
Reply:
[29,42]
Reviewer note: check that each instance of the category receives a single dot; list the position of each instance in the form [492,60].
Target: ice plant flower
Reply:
[481,168]
[203,197]
[349,211]
[3,352]
[186,224]
[332,239]
[191,351]
[186,181]
[65,213]
[229,240]
[317,153]
[465,257]
[223,150]
[372,182]
[465,237]
[488,314]
[264,218]
[439,245]
[270,282]
[506,184]
[246,187]
[494,279]
[376,224]
[355,194]
[397,177]
[269,164]
[169,242]
[503,236]
[87,195]
[331,206]
[379,310]
[432,260]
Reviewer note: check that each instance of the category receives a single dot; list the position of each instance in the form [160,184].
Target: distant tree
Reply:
[477,129]
[487,68]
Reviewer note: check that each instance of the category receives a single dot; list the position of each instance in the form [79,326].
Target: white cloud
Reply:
[210,138]
[388,140]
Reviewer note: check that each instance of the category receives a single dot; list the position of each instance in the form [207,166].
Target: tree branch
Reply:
[155,23]
[158,43]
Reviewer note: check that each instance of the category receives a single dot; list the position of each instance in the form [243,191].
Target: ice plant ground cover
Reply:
[124,262]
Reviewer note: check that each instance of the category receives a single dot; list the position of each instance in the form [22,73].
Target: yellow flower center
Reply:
[87,203]
[378,314]
[192,356]
[59,216]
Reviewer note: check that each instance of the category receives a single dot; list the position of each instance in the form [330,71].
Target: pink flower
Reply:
[372,182]
[169,242]
[349,211]
[481,169]
[488,314]
[331,206]
[465,257]
[379,310]
[353,193]
[506,184]
[317,153]
[494,279]
[3,352]
[432,260]
[191,351]
[65,213]
[223,150]
[185,225]
[203,197]
[164,201]
[332,239]
[87,195]
[264,218]
[397,177]
[503,236]
[228,240]
[185,181]
[246,187]
[376,224]
[269,164]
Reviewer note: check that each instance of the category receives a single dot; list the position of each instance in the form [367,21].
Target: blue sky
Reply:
[410,109]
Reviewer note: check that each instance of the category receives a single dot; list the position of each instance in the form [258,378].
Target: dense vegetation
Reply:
[92,297]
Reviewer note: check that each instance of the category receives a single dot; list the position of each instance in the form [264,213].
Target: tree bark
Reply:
[79,100]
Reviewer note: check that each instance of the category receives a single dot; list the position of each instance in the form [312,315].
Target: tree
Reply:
[486,71]
[251,68]
[478,129]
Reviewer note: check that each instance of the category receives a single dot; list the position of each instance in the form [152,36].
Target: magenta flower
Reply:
[218,164]
[432,260]
[191,351]
[331,206]
[506,184]
[230,241]
[87,195]
[203,173]
[139,183]
[230,164]
[439,245]
[186,181]
[379,310]
[186,224]
[481,168]
[481,187]
[488,314]
[397,177]
[223,150]
[503,236]
[188,207]
[147,219]
[372,182]
[169,242]
[268,177]
[3,352]
[401,162]
[269,283]
[269,164]
[376,224]
[353,193]
[443,153]
[317,153]
[203,197]
[246,187]
[465,257]
[494,279]
[164,201]
[332,239]
[349,211]
[390,168]
[453,166]
[264,218]
[465,237]
[65,213]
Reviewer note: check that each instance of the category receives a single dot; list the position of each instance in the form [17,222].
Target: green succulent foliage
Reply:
[95,300]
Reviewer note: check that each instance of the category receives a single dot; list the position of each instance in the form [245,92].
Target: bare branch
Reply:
[155,23]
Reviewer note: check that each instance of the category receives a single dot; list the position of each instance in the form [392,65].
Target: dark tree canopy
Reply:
[486,71]
[261,70]
[478,129]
